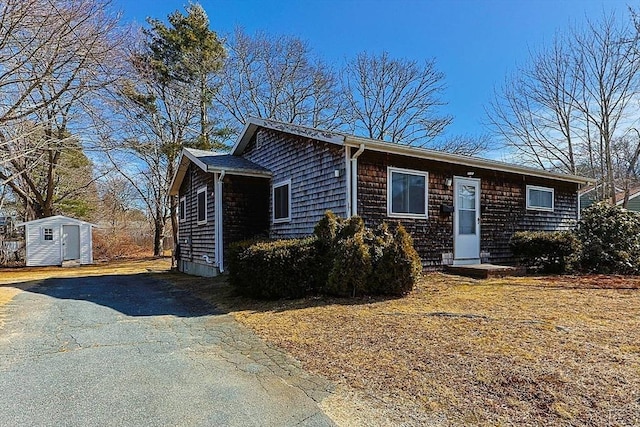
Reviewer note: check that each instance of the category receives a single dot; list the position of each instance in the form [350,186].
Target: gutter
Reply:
[423,153]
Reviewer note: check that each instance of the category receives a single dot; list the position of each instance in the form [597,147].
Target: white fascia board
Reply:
[187,153]
[178,176]
[56,217]
[241,172]
[458,159]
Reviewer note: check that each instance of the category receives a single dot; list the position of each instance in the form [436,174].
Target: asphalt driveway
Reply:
[133,351]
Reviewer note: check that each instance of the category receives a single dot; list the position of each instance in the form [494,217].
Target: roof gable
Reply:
[254,123]
[60,218]
[211,162]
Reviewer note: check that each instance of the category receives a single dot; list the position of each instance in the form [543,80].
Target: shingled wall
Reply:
[502,201]
[196,240]
[310,164]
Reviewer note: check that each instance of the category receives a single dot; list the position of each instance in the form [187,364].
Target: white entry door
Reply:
[70,242]
[466,221]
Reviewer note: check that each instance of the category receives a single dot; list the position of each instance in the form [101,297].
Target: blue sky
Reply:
[475,43]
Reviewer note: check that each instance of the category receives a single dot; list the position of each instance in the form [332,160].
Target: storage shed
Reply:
[58,240]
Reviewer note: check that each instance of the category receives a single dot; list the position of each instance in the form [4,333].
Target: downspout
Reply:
[354,180]
[219,222]
[347,178]
[578,203]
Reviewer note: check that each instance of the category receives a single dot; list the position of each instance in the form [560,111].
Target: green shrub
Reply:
[351,266]
[326,231]
[343,258]
[276,269]
[546,251]
[399,266]
[610,238]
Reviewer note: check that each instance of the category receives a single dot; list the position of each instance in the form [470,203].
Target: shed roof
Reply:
[63,218]
[212,161]
[344,139]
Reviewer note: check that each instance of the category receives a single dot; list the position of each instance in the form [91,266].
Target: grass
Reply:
[514,351]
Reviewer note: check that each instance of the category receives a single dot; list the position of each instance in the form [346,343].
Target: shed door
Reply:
[466,221]
[70,242]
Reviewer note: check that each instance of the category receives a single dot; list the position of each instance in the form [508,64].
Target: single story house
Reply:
[57,240]
[589,195]
[280,178]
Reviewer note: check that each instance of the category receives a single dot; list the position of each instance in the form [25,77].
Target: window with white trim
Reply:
[407,193]
[182,209]
[47,234]
[540,198]
[201,205]
[281,196]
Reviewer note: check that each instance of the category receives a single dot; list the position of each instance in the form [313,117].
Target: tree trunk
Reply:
[174,228]
[158,233]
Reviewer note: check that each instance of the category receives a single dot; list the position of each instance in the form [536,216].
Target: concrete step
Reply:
[484,271]
[71,263]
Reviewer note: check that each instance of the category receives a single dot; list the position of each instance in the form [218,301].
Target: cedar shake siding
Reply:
[311,166]
[245,203]
[196,240]
[502,205]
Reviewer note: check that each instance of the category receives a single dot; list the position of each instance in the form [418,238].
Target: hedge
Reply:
[274,269]
[544,251]
[342,258]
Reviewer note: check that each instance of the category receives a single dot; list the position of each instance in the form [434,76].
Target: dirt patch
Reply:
[523,351]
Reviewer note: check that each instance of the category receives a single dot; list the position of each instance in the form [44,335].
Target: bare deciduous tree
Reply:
[278,78]
[394,100]
[564,109]
[54,52]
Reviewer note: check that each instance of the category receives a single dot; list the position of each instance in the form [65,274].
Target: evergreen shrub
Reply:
[610,238]
[274,269]
[342,258]
[546,251]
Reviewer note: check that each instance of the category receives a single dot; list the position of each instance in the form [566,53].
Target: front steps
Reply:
[484,271]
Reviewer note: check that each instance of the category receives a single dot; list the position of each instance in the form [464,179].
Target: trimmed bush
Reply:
[343,258]
[399,267]
[546,251]
[351,267]
[276,269]
[610,238]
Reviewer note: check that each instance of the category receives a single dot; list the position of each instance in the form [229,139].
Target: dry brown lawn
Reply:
[515,351]
[456,351]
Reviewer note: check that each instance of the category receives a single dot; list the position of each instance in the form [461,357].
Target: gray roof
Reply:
[215,160]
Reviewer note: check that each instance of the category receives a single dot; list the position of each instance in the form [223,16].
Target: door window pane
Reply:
[467,196]
[467,222]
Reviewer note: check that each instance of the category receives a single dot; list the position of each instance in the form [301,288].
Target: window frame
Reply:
[182,209]
[273,201]
[45,234]
[390,171]
[540,208]
[201,190]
